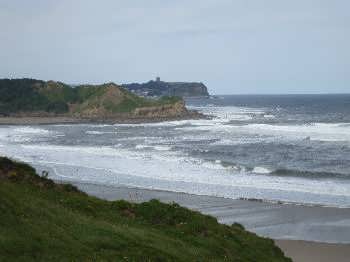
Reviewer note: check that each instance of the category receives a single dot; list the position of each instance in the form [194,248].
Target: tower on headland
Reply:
[157,79]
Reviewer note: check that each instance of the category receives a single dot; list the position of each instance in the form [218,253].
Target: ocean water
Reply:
[287,148]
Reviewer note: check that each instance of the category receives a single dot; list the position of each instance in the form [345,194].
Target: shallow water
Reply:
[276,148]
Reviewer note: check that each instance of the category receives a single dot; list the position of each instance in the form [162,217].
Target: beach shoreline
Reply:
[320,233]
[308,251]
[56,120]
[277,221]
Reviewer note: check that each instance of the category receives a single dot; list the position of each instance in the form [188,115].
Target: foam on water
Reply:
[141,146]
[189,174]
[154,147]
[156,124]
[24,134]
[162,148]
[221,114]
[160,155]
[314,131]
[93,132]
[230,113]
[31,130]
[261,170]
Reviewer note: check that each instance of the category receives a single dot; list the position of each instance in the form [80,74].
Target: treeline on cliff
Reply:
[31,95]
[22,95]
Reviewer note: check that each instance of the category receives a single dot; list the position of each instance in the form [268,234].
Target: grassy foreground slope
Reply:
[44,221]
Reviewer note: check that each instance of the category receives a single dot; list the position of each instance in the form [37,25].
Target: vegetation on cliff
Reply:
[161,88]
[44,221]
[24,96]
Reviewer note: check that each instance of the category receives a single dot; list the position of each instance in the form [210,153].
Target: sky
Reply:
[234,47]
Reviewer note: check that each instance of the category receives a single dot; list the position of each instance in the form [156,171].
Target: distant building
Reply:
[157,79]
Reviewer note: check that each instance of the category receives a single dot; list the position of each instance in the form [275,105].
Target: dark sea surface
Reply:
[289,148]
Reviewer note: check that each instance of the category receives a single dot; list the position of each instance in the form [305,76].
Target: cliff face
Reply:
[106,100]
[161,88]
[30,97]
[115,102]
[166,111]
[177,109]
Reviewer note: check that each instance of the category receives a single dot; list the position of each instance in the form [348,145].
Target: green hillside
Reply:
[44,221]
[30,95]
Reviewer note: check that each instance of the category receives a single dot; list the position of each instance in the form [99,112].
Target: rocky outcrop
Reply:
[104,103]
[173,111]
[36,98]
[177,109]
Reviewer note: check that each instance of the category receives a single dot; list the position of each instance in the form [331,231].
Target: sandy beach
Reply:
[305,251]
[40,120]
[49,120]
[304,233]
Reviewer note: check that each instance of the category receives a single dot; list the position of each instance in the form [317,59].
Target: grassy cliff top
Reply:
[44,221]
[31,95]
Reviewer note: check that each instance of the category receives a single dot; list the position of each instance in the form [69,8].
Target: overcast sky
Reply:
[238,46]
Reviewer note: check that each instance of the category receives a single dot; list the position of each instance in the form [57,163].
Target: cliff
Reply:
[30,97]
[168,110]
[188,89]
[161,88]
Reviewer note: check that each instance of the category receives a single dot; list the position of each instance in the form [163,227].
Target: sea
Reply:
[274,148]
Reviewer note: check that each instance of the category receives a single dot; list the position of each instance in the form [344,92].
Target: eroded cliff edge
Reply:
[30,98]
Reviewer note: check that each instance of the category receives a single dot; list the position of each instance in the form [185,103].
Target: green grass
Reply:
[132,101]
[30,95]
[44,221]
[97,97]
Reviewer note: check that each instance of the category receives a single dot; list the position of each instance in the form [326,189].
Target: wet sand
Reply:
[53,120]
[304,233]
[304,251]
[39,120]
[277,221]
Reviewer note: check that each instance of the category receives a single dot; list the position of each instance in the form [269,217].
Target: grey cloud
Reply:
[233,46]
